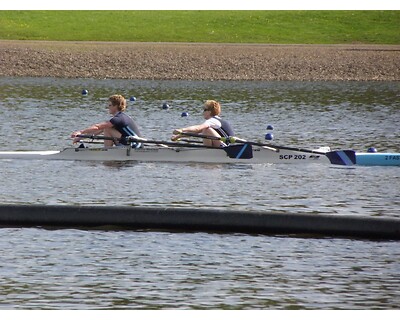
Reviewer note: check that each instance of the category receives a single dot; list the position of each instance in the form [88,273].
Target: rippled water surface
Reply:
[127,269]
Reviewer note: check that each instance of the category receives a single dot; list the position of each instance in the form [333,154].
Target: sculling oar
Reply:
[94,137]
[189,141]
[239,151]
[227,140]
[129,139]
[143,140]
[340,157]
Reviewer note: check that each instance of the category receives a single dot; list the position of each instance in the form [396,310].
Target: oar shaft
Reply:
[279,147]
[170,144]
[93,137]
[236,139]
[143,140]
[198,135]
[190,141]
[237,151]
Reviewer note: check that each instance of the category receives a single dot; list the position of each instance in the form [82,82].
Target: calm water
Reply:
[97,269]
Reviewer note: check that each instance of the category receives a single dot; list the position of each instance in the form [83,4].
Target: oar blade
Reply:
[342,157]
[239,151]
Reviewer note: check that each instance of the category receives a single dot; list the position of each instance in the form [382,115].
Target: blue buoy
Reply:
[270,127]
[269,136]
[184,114]
[165,106]
[85,92]
[372,150]
[132,98]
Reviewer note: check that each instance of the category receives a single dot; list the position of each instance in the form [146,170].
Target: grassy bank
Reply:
[280,27]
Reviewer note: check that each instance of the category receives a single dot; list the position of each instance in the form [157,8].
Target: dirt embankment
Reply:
[199,61]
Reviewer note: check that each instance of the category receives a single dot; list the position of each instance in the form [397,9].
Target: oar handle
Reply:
[198,135]
[128,138]
[93,137]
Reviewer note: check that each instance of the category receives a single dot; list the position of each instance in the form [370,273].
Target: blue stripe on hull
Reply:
[239,155]
[345,158]
[378,159]
[342,157]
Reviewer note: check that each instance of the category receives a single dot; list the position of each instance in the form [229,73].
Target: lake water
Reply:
[88,269]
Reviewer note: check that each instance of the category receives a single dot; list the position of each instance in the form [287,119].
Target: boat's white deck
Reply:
[40,153]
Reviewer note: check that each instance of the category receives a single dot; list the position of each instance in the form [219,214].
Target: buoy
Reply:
[372,150]
[165,106]
[269,136]
[270,127]
[85,92]
[184,114]
[132,98]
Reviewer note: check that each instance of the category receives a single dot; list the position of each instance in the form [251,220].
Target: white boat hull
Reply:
[149,154]
[202,155]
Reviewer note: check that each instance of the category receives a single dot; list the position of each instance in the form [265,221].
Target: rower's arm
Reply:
[94,129]
[195,129]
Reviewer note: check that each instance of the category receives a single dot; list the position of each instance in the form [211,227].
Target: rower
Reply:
[214,126]
[119,127]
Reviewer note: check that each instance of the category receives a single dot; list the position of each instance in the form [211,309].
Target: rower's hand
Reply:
[177,134]
[75,133]
[75,136]
[175,137]
[177,131]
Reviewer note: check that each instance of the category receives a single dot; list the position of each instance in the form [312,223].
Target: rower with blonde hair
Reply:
[119,127]
[214,125]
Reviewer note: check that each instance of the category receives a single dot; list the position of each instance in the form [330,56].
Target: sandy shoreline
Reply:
[185,61]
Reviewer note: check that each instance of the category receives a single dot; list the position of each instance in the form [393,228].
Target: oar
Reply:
[223,139]
[93,137]
[340,157]
[143,140]
[236,139]
[129,139]
[235,151]
[238,151]
[91,141]
[190,141]
[198,135]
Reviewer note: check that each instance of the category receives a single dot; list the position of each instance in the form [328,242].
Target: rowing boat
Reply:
[240,151]
[169,154]
[154,154]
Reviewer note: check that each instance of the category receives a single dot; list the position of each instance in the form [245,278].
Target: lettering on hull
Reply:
[392,157]
[298,157]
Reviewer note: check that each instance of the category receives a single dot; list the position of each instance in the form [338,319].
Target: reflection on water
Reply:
[118,165]
[155,270]
[71,269]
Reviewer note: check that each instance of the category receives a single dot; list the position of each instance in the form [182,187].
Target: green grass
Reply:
[280,27]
